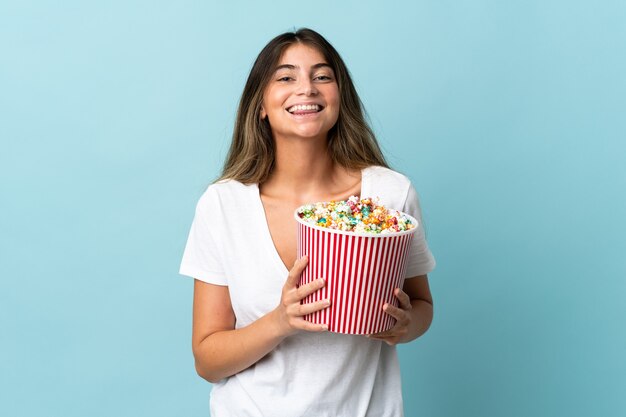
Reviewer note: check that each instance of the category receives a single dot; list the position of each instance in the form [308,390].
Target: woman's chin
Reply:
[304,134]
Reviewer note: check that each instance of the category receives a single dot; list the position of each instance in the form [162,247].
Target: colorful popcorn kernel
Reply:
[355,215]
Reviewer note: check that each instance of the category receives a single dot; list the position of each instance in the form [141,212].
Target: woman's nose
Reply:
[307,87]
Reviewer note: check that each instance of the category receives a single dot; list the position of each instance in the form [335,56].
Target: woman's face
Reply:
[302,97]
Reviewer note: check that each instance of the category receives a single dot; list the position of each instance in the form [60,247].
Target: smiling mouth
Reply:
[305,109]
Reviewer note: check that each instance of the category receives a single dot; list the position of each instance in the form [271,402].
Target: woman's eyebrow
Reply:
[292,67]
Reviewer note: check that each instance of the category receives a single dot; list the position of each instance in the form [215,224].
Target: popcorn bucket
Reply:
[361,272]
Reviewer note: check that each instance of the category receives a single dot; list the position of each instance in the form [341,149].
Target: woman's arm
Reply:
[220,350]
[413,315]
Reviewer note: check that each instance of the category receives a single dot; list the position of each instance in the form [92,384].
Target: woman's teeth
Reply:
[303,107]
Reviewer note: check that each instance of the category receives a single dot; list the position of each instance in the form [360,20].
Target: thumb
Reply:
[296,271]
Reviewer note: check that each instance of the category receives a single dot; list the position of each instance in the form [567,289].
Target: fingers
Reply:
[312,327]
[296,271]
[405,300]
[310,288]
[304,309]
[294,277]
[402,316]
[297,311]
[395,312]
[391,336]
[380,335]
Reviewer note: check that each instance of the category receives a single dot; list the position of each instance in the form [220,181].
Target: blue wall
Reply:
[508,116]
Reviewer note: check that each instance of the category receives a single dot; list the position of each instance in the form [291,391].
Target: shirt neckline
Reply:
[263,224]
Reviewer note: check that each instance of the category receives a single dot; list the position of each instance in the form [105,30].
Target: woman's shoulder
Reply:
[386,176]
[229,186]
[225,193]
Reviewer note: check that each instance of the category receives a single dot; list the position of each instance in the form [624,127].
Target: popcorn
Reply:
[363,215]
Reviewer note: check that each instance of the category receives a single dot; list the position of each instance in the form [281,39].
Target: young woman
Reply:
[300,136]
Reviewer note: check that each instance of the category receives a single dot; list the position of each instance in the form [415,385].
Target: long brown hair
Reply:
[351,142]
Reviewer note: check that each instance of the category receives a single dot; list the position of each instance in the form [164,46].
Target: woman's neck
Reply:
[303,171]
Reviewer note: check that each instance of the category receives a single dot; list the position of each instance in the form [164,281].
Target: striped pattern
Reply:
[361,273]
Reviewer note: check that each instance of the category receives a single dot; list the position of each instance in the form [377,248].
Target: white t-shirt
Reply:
[309,373]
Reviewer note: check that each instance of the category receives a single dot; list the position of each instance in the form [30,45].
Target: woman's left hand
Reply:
[403,318]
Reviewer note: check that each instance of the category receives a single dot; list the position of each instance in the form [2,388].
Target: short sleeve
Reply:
[421,261]
[201,256]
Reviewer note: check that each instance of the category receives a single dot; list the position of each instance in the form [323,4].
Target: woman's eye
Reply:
[323,77]
[285,78]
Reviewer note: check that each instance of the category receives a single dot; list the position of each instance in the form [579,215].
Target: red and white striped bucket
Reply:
[361,272]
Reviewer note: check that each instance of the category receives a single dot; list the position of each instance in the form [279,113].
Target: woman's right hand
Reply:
[289,312]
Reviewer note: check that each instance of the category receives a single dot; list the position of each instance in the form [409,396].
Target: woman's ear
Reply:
[263,114]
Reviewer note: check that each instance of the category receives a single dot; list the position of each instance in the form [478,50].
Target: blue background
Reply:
[508,116]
